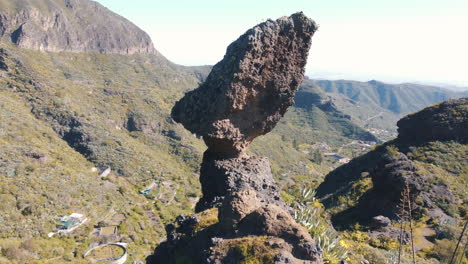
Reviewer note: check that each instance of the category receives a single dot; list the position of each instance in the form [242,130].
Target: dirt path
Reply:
[370,118]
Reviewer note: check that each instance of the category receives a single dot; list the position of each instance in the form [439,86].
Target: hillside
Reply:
[77,100]
[113,110]
[428,162]
[97,111]
[377,120]
[397,98]
[69,115]
[377,106]
[70,25]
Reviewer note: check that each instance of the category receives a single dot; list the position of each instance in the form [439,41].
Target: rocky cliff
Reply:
[244,97]
[70,25]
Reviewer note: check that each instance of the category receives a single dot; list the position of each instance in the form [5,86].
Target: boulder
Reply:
[445,121]
[248,92]
[380,221]
[272,220]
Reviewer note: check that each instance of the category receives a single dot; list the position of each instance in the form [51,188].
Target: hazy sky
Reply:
[390,40]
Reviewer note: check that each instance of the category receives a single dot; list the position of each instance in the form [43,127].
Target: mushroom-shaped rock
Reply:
[244,96]
[247,92]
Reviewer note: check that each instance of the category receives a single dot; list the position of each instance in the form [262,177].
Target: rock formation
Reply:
[70,25]
[444,121]
[243,97]
[421,166]
[247,93]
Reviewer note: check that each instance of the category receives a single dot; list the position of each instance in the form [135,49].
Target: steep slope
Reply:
[70,25]
[377,106]
[338,123]
[32,155]
[315,118]
[109,111]
[426,165]
[377,120]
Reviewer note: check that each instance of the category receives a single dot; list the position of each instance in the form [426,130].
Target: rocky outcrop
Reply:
[70,25]
[385,185]
[243,97]
[445,121]
[3,65]
[247,93]
[389,180]
[394,178]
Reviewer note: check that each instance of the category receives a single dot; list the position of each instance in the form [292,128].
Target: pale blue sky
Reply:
[390,40]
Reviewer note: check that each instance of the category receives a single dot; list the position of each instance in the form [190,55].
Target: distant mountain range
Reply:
[457,88]
[374,106]
[397,98]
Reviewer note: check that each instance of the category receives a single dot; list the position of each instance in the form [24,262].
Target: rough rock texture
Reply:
[272,220]
[269,234]
[390,174]
[243,97]
[389,180]
[247,92]
[70,25]
[445,121]
[3,65]
[389,183]
[221,177]
[380,221]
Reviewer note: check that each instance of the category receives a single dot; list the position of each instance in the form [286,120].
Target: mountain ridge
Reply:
[396,98]
[72,26]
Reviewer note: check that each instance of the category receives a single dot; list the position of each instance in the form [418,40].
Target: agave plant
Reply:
[312,218]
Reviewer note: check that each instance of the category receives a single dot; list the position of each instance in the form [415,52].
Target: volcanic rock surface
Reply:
[243,97]
[248,92]
[222,177]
